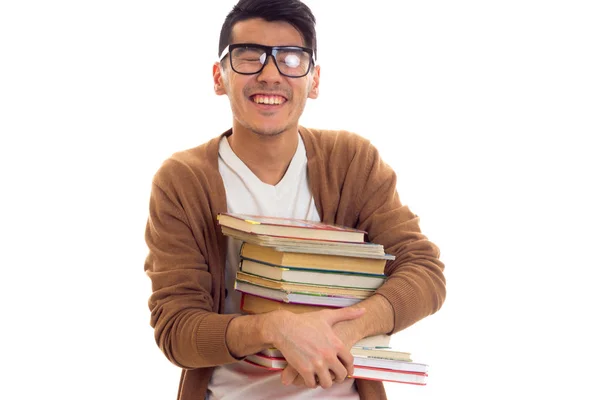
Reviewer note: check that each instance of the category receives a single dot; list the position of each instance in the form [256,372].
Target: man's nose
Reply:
[269,71]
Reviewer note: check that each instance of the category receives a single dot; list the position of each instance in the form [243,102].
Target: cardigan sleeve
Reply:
[416,285]
[186,328]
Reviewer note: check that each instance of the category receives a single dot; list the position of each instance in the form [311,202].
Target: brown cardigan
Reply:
[351,186]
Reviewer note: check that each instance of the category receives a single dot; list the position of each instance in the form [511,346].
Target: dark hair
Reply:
[294,12]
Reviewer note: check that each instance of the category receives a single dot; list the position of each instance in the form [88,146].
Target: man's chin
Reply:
[268,133]
[268,130]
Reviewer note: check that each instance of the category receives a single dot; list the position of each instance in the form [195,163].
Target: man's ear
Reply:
[218,79]
[316,78]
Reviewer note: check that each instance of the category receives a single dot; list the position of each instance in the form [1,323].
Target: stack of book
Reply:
[303,266]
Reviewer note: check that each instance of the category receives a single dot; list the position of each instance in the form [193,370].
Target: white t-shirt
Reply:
[290,198]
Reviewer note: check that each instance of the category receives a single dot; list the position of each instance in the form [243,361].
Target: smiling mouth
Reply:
[271,100]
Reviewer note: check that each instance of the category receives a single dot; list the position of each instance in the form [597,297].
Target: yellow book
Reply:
[312,277]
[291,287]
[257,305]
[323,262]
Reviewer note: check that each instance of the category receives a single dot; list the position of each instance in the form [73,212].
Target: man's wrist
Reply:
[268,327]
[247,334]
[349,332]
[377,320]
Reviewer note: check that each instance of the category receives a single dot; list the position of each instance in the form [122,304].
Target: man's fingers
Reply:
[338,373]
[309,377]
[324,379]
[299,381]
[289,375]
[318,358]
[347,360]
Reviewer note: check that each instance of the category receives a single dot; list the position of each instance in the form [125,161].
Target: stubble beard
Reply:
[271,133]
[268,132]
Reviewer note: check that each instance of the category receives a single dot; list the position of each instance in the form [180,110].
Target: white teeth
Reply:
[268,100]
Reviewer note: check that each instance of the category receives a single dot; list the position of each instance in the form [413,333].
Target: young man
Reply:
[267,164]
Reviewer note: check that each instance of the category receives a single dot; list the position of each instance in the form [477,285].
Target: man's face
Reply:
[251,95]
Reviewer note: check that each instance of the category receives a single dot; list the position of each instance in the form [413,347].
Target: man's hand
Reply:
[310,344]
[377,319]
[345,332]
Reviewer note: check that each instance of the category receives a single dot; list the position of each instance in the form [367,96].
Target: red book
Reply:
[290,228]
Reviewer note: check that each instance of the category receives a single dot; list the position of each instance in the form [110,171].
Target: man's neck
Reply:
[268,157]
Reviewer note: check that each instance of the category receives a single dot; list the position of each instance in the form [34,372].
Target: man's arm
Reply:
[368,200]
[415,285]
[186,329]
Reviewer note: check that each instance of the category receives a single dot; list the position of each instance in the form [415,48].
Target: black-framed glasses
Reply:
[251,58]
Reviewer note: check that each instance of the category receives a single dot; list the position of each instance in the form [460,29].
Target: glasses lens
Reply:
[248,60]
[291,61]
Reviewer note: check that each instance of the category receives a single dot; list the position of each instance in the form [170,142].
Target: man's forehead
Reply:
[268,33]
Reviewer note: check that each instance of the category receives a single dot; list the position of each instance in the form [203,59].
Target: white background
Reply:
[487,110]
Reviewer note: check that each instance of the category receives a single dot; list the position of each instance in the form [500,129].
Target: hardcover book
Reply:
[315,277]
[289,227]
[339,263]
[310,246]
[380,352]
[295,297]
[252,304]
[303,288]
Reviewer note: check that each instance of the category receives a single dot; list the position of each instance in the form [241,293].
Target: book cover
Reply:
[387,375]
[328,262]
[309,246]
[295,297]
[375,341]
[251,304]
[380,352]
[289,227]
[303,288]
[316,277]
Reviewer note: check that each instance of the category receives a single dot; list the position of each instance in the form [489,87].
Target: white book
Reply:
[294,297]
[374,341]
